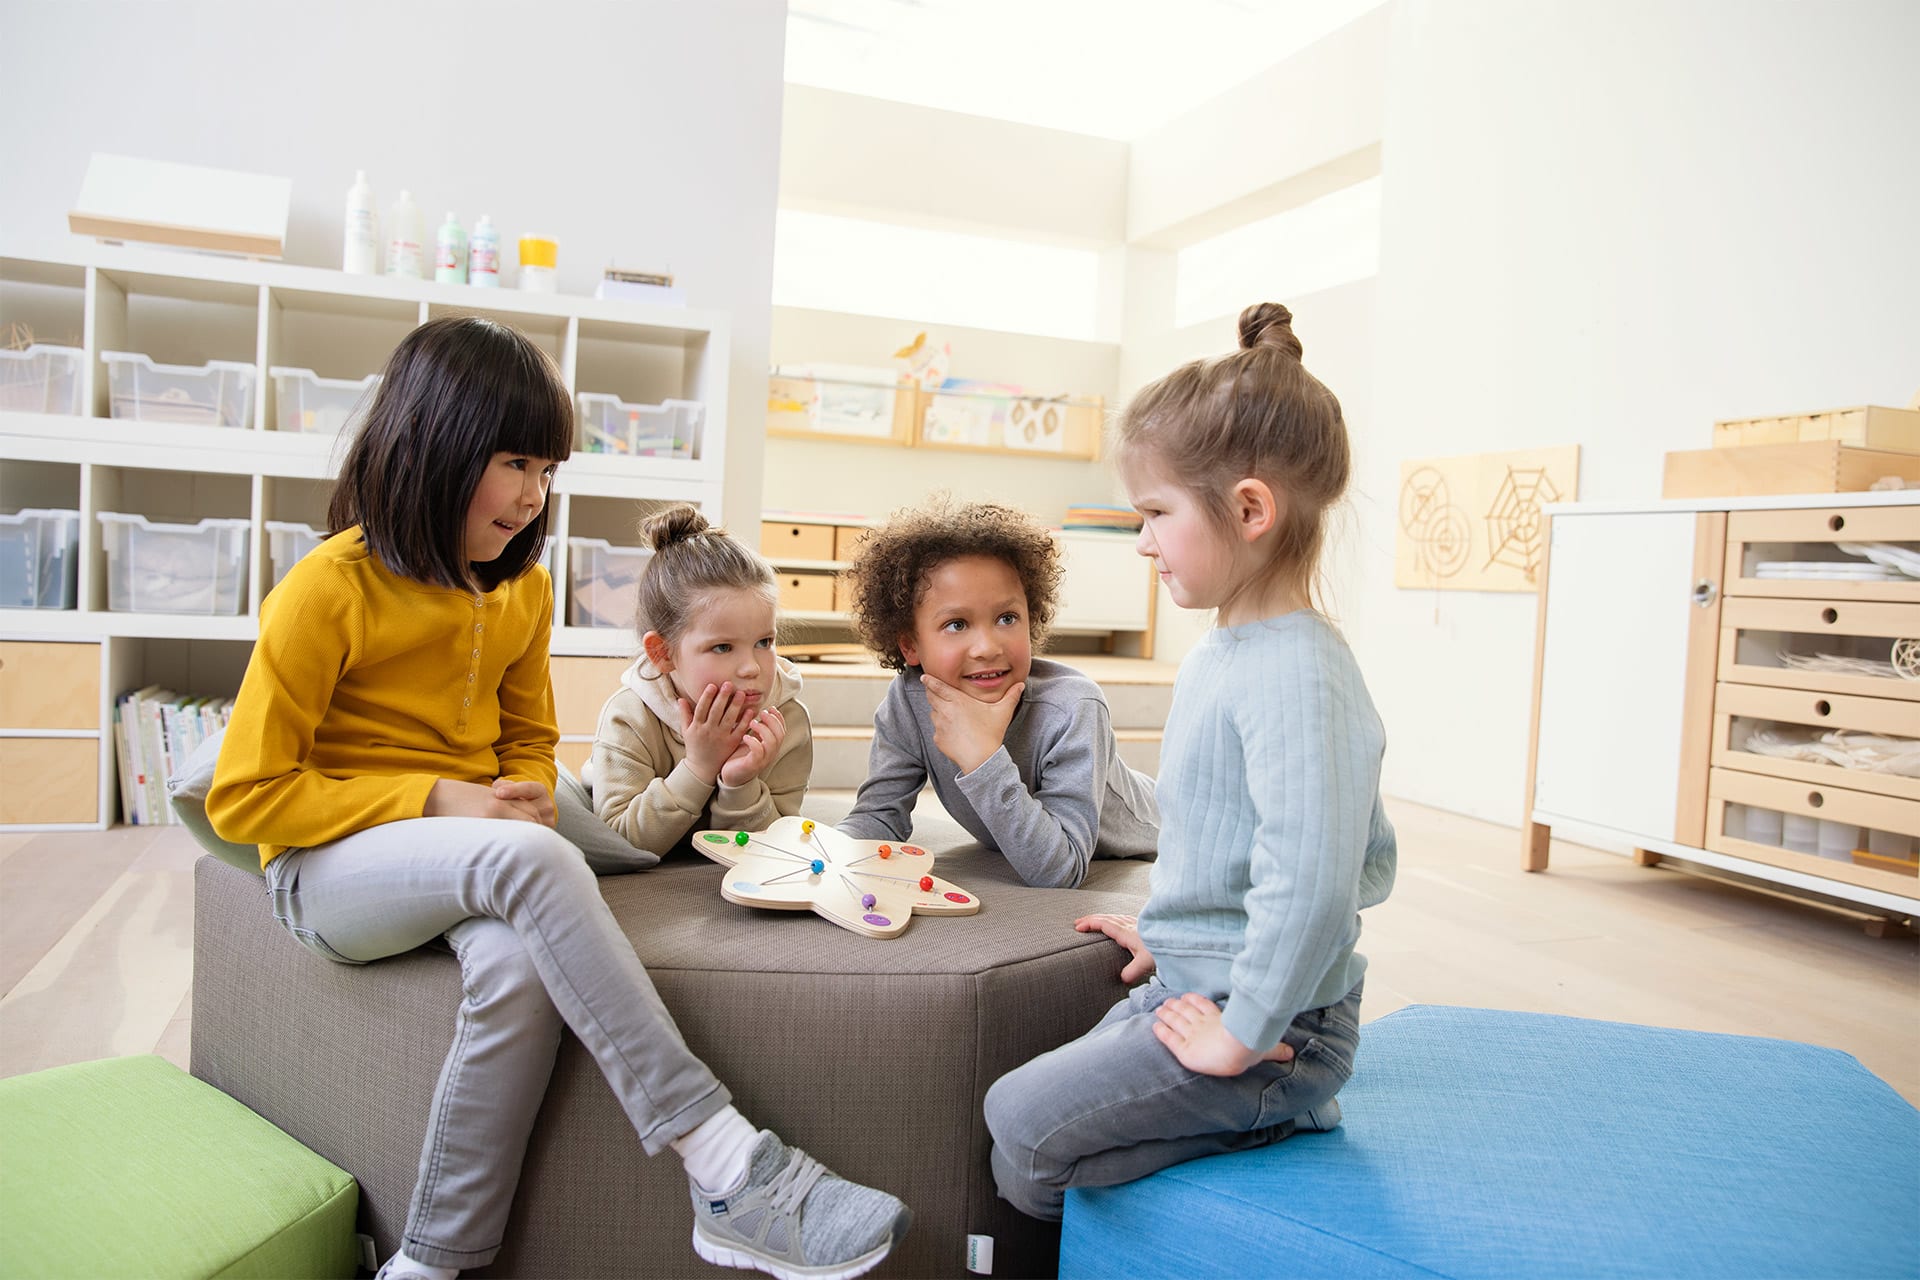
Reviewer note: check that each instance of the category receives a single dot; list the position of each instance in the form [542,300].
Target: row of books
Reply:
[155,732]
[1117,519]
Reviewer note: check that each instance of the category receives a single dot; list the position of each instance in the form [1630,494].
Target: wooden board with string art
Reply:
[870,887]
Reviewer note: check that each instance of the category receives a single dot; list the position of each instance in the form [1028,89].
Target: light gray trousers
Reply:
[1116,1105]
[538,948]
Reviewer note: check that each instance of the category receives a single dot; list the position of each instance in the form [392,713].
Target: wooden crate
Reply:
[1866,427]
[1814,466]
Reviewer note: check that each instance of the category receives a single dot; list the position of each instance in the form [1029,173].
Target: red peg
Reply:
[926,884]
[886,851]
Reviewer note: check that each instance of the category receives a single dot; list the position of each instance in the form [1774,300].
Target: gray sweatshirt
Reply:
[1052,798]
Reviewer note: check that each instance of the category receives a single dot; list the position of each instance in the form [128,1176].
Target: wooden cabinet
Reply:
[53,743]
[1106,588]
[1736,683]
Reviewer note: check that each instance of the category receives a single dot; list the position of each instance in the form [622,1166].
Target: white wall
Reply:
[644,132]
[893,162]
[1610,226]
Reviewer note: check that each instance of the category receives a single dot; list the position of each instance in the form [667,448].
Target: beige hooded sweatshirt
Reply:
[643,788]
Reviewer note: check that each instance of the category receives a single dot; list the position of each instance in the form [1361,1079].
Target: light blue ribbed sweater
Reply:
[1272,834]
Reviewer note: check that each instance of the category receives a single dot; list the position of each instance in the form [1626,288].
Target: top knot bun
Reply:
[675,524]
[1268,324]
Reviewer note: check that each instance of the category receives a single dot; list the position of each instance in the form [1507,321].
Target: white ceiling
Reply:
[1113,68]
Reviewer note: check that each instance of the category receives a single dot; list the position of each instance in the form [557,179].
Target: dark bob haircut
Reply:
[455,392]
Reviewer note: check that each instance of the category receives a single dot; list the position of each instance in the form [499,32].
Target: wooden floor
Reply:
[96,947]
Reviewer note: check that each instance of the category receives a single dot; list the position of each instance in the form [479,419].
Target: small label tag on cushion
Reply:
[980,1255]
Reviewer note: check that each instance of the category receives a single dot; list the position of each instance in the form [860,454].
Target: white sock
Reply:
[716,1150]
[401,1264]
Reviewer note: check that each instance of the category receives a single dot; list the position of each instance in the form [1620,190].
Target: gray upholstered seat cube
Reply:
[872,1055]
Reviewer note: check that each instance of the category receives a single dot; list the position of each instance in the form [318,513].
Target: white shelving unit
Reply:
[180,309]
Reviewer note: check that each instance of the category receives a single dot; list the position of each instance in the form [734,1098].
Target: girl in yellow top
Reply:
[391,752]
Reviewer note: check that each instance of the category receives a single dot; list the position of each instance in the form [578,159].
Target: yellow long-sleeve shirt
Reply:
[366,688]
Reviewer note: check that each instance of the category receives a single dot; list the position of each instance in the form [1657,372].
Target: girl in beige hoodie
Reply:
[707,729]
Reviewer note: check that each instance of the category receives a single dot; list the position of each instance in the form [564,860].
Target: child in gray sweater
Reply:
[1020,750]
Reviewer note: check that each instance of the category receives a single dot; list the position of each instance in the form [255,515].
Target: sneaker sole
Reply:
[725,1255]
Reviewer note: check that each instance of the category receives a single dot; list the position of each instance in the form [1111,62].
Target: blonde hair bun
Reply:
[675,524]
[1268,324]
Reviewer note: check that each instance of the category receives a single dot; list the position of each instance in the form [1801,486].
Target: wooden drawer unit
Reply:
[49,685]
[1755,817]
[581,686]
[1791,716]
[1799,644]
[50,781]
[806,592]
[796,541]
[1800,554]
[846,540]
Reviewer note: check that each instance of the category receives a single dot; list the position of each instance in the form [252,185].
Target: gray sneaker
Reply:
[794,1218]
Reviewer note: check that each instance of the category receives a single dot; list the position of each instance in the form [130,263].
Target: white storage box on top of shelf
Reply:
[175,568]
[308,402]
[38,559]
[41,379]
[287,542]
[670,429]
[216,394]
[604,581]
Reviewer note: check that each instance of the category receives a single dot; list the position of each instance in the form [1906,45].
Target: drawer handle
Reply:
[1823,708]
[1836,523]
[1704,592]
[1829,616]
[1815,799]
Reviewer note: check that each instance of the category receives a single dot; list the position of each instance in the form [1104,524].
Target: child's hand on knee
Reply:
[966,730]
[714,728]
[765,732]
[450,799]
[1190,1027]
[1125,931]
[529,797]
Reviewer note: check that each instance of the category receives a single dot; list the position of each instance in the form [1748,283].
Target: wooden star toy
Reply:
[873,887]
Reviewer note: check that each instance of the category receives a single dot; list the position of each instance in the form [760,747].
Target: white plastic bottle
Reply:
[483,254]
[406,240]
[360,257]
[450,252]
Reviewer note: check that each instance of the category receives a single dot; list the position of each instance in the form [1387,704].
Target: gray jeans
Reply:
[538,948]
[1116,1105]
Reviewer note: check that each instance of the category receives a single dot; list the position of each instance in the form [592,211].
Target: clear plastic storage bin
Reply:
[216,394]
[670,429]
[605,582]
[175,568]
[39,559]
[287,542]
[305,401]
[41,379]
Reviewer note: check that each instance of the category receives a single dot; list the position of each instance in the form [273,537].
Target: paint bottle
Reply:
[450,252]
[406,240]
[483,255]
[539,260]
[360,255]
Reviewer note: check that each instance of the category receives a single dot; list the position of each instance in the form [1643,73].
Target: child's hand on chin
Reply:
[760,748]
[966,730]
[1190,1026]
[713,729]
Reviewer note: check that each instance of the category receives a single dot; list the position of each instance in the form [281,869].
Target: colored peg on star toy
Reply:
[819,866]
[741,837]
[926,884]
[886,851]
[867,900]
[806,827]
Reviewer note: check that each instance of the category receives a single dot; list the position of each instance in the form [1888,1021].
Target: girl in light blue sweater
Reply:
[1272,834]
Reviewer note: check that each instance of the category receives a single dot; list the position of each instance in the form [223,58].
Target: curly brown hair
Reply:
[891,564]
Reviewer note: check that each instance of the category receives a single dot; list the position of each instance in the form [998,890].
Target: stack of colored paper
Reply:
[1114,519]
